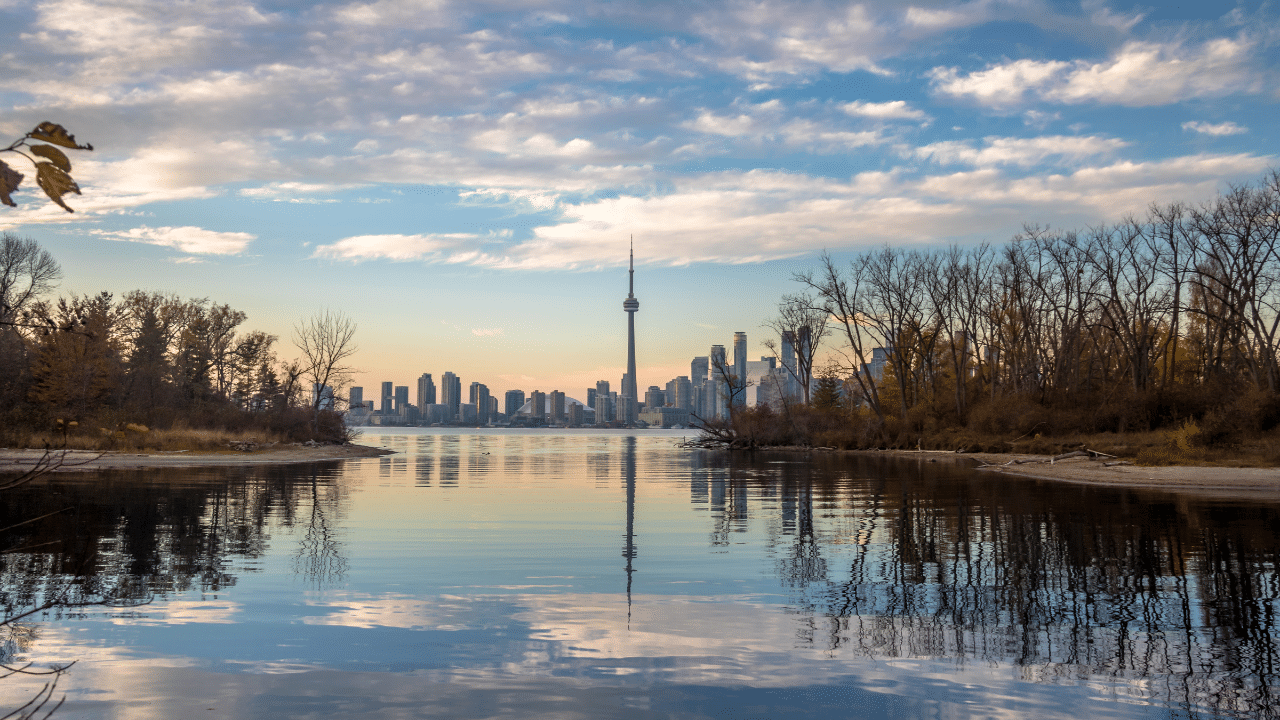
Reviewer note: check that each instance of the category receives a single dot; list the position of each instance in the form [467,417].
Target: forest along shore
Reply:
[17,461]
[1225,482]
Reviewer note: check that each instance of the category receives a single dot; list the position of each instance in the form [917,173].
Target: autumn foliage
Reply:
[113,369]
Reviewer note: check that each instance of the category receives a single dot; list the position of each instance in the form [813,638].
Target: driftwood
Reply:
[1118,462]
[1085,452]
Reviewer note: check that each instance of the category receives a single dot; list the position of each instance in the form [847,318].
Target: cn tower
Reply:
[631,305]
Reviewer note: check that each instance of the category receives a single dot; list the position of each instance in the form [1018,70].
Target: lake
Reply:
[593,574]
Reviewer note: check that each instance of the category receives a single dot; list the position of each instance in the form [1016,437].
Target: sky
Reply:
[462,179]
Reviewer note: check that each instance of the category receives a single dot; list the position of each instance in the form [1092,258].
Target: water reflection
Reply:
[494,560]
[1177,599]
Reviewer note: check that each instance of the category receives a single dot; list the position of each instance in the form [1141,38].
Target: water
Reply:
[583,574]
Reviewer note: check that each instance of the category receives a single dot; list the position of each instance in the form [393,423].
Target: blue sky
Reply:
[462,178]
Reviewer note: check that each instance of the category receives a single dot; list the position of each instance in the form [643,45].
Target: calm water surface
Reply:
[563,574]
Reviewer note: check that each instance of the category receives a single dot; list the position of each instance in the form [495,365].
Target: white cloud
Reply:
[457,247]
[1139,74]
[892,110]
[1222,128]
[1023,152]
[189,239]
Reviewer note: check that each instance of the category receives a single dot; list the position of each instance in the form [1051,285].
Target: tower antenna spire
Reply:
[631,280]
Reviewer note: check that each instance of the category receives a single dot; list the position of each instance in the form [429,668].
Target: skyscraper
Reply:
[717,384]
[538,405]
[426,391]
[515,399]
[479,396]
[740,368]
[791,387]
[388,398]
[402,397]
[557,407]
[451,393]
[356,398]
[631,305]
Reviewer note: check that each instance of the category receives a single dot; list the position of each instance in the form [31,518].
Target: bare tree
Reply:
[27,271]
[327,342]
[801,323]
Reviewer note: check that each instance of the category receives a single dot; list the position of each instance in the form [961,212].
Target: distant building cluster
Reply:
[712,386]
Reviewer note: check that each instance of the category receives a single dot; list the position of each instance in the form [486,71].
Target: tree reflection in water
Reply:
[319,559]
[1156,597]
[133,536]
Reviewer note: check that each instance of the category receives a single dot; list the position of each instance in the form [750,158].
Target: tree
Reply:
[53,168]
[327,342]
[27,271]
[801,323]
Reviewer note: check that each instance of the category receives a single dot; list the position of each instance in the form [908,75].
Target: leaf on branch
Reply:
[9,180]
[53,155]
[55,183]
[56,134]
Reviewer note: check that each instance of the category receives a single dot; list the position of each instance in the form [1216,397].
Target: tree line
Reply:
[152,359]
[1150,322]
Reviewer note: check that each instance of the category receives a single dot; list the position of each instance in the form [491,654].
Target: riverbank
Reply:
[1223,482]
[18,461]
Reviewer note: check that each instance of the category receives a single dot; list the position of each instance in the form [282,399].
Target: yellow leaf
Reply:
[56,134]
[9,180]
[55,183]
[53,155]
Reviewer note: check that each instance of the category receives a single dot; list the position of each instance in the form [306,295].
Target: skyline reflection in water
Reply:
[615,574]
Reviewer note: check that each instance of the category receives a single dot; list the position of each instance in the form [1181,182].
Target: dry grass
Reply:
[138,438]
[1179,446]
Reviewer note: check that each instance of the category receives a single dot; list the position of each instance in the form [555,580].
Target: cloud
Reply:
[1223,128]
[892,110]
[1023,152]
[189,239]
[457,247]
[1139,74]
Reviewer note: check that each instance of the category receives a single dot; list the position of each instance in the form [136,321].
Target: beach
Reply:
[23,460]
[1217,481]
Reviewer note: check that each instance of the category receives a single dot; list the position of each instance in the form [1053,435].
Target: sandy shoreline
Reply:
[15,461]
[1222,482]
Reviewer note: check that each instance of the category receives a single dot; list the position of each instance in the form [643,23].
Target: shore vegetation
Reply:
[1156,337]
[143,371]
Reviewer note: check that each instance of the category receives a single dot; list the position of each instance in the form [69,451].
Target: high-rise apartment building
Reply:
[514,401]
[654,397]
[604,415]
[680,393]
[426,391]
[740,368]
[356,398]
[557,407]
[451,393]
[717,384]
[591,397]
[479,396]
[538,405]
[789,366]
[321,396]
[388,400]
[402,397]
